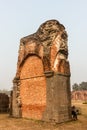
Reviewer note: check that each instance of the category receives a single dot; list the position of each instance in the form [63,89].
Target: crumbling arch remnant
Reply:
[41,87]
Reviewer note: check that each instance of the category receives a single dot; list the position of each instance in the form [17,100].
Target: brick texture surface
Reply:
[33,88]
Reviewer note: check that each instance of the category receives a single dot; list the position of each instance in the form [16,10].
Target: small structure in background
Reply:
[4,103]
[80,95]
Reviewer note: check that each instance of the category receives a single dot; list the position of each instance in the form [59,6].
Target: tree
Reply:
[75,87]
[5,91]
[83,86]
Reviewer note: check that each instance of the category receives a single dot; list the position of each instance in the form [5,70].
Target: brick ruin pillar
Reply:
[58,98]
[15,102]
[42,83]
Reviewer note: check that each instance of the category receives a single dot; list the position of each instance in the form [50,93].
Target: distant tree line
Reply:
[5,91]
[81,86]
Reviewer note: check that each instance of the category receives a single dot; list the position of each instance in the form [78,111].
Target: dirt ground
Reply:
[8,123]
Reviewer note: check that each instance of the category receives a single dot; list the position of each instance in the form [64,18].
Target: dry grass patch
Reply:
[8,123]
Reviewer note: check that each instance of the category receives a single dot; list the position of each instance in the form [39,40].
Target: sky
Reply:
[19,18]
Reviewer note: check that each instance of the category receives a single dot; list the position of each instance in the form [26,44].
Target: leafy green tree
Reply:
[83,86]
[5,91]
[75,87]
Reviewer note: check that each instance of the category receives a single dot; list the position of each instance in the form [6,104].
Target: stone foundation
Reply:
[58,94]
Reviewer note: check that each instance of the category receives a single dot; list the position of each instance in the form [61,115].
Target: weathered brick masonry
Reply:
[41,87]
[4,103]
[79,95]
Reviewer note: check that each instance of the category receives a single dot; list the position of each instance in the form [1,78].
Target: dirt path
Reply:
[7,123]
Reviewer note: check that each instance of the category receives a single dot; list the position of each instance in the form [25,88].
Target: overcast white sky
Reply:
[19,18]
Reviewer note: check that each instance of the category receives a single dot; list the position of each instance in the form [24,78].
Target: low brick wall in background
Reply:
[79,95]
[4,103]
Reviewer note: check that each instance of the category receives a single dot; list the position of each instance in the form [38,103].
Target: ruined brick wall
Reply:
[41,87]
[79,95]
[4,103]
